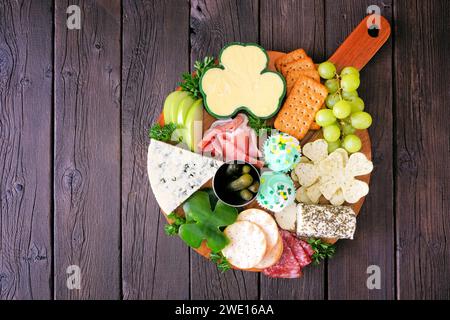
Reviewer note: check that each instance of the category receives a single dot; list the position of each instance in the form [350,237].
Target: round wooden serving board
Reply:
[359,47]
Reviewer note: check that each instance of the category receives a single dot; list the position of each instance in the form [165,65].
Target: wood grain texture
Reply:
[422,141]
[213,24]
[291,24]
[374,238]
[286,26]
[155,54]
[87,150]
[25,149]
[98,186]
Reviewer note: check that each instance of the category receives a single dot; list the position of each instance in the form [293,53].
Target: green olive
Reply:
[254,187]
[246,195]
[240,183]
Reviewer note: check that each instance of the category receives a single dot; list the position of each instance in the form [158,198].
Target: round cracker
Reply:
[272,256]
[265,221]
[247,245]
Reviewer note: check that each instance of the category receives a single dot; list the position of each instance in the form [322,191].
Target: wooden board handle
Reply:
[360,47]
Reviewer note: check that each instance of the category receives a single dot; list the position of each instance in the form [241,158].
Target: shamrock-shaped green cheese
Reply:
[204,223]
[242,81]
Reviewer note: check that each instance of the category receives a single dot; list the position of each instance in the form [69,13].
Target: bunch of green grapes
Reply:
[345,108]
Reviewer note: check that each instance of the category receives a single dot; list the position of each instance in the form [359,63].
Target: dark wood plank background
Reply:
[75,107]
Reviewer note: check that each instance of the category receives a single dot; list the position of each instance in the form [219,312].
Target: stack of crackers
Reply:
[306,95]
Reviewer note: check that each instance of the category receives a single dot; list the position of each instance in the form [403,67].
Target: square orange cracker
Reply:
[298,111]
[301,64]
[293,75]
[314,126]
[290,57]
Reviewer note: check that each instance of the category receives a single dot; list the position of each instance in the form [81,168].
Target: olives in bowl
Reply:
[236,183]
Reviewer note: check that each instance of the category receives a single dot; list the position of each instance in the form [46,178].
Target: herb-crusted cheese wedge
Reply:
[242,81]
[175,173]
[325,221]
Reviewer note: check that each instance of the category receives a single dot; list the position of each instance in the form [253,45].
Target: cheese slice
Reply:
[175,173]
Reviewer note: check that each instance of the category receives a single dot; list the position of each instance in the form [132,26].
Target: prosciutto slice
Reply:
[232,139]
[221,126]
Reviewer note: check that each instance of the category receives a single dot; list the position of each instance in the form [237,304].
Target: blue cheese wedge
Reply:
[175,174]
[325,221]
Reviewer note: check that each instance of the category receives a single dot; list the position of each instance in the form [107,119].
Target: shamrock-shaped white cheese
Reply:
[331,175]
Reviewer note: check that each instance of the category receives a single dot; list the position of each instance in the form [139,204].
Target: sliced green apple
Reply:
[171,104]
[178,135]
[194,125]
[183,109]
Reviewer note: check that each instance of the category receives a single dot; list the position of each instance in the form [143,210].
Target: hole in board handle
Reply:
[373,31]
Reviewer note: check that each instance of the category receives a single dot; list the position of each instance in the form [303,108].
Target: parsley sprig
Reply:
[221,262]
[171,229]
[191,81]
[322,250]
[162,133]
[259,125]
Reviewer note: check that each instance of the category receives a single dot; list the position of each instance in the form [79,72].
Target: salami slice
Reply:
[286,267]
[307,247]
[300,254]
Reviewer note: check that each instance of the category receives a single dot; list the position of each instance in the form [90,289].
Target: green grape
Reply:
[360,120]
[349,70]
[331,133]
[325,117]
[346,120]
[332,85]
[342,109]
[347,129]
[350,82]
[327,70]
[334,145]
[331,100]
[357,104]
[351,143]
[348,95]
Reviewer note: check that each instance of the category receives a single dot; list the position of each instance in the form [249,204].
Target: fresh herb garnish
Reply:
[172,228]
[162,133]
[191,82]
[259,125]
[322,250]
[221,262]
